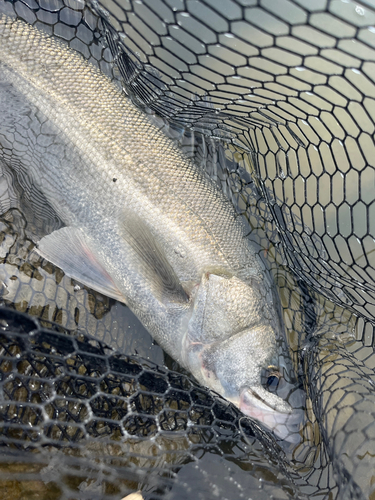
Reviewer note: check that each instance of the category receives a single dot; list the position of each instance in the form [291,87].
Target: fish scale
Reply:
[143,225]
[114,114]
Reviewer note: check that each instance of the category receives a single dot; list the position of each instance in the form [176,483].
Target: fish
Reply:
[143,225]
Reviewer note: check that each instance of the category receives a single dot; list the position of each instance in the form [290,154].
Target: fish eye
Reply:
[272,381]
[271,378]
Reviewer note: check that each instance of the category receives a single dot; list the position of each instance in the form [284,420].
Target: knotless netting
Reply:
[275,101]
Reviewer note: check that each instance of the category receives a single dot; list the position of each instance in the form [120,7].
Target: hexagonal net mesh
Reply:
[275,101]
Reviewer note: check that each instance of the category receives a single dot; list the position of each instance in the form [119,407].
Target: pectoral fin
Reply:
[156,268]
[68,249]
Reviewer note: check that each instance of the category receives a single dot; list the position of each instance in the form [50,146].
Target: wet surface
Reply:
[294,105]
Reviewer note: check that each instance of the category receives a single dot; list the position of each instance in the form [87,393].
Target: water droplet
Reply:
[360,10]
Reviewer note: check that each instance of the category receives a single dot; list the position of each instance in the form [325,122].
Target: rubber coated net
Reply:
[275,100]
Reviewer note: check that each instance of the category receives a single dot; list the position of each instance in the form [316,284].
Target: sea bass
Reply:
[142,223]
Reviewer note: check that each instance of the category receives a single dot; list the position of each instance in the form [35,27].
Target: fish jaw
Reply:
[273,411]
[284,421]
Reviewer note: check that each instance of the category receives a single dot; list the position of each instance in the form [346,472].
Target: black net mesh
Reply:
[97,424]
[275,101]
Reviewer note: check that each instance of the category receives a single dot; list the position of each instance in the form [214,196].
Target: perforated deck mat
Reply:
[275,101]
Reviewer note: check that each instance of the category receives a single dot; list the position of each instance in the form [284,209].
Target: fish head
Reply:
[233,346]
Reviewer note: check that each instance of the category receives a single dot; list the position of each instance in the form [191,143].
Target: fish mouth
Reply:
[284,422]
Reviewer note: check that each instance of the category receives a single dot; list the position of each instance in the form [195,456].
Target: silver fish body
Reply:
[143,224]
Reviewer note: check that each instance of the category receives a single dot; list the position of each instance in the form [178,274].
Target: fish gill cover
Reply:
[275,102]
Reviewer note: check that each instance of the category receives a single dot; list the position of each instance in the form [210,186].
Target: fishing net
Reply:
[275,102]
